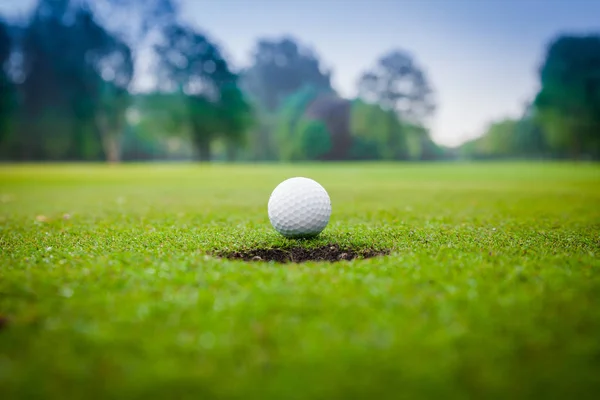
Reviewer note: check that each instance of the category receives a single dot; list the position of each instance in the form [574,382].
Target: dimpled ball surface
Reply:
[299,207]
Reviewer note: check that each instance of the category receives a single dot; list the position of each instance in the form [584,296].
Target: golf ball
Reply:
[299,207]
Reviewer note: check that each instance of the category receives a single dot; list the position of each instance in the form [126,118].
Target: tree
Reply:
[316,125]
[149,117]
[370,129]
[6,85]
[130,23]
[508,138]
[55,113]
[236,116]
[399,85]
[134,20]
[498,141]
[334,114]
[314,139]
[420,145]
[77,66]
[194,66]
[500,138]
[279,69]
[115,68]
[530,139]
[75,87]
[292,124]
[568,104]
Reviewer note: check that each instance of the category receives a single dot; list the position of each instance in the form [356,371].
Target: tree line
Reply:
[563,120]
[69,72]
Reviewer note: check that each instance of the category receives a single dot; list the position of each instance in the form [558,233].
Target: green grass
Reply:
[109,289]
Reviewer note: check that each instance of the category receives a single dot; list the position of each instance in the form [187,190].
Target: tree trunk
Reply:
[260,153]
[203,146]
[112,149]
[231,151]
[110,141]
[576,148]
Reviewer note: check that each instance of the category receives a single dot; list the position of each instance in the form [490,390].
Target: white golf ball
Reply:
[299,207]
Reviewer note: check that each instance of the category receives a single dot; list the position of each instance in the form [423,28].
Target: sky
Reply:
[480,56]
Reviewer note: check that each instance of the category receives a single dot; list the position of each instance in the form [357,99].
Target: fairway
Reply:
[111,284]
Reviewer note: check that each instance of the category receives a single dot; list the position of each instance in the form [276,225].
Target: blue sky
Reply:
[481,56]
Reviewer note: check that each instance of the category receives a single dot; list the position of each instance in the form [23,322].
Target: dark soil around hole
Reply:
[300,254]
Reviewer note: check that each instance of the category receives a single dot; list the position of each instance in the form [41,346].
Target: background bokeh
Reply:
[131,80]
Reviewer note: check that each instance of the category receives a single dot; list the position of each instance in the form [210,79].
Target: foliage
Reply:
[140,144]
[78,63]
[378,133]
[370,132]
[135,20]
[397,83]
[419,145]
[530,139]
[400,87]
[193,65]
[67,82]
[500,137]
[568,104]
[160,114]
[279,69]
[314,139]
[7,87]
[236,114]
[510,138]
[74,91]
[374,133]
[292,122]
[497,142]
[158,127]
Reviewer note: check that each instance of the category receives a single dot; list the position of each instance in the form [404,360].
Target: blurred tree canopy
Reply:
[7,93]
[398,86]
[563,121]
[158,128]
[300,137]
[317,125]
[372,127]
[75,66]
[384,123]
[74,78]
[509,138]
[568,104]
[279,69]
[192,65]
[127,79]
[135,20]
[397,83]
[380,134]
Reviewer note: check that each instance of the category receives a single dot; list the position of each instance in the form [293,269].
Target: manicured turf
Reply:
[108,287]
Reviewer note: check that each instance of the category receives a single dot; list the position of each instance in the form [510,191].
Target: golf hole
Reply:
[328,253]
